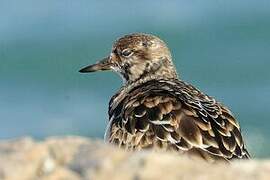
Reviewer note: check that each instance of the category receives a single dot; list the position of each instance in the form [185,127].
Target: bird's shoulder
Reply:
[177,113]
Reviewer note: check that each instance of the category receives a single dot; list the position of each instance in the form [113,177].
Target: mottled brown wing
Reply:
[156,118]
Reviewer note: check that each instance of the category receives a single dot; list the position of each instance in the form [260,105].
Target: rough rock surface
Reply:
[72,158]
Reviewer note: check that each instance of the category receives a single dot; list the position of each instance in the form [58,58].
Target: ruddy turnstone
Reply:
[156,109]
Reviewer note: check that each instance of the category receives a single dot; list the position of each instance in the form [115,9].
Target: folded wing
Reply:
[176,117]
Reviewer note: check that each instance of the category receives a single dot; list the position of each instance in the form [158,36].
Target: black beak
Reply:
[102,65]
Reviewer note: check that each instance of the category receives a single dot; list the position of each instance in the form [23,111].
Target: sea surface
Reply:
[221,47]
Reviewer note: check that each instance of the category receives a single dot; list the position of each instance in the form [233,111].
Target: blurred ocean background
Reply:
[222,47]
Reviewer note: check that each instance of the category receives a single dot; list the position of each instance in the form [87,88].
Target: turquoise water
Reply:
[220,47]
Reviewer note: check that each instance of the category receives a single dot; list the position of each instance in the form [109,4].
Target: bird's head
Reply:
[137,56]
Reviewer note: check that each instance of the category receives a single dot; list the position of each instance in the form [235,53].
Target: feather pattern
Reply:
[173,115]
[155,109]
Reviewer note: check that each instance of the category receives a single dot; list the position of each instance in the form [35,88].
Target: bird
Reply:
[155,109]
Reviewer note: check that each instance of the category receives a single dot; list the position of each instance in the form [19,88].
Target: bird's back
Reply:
[171,115]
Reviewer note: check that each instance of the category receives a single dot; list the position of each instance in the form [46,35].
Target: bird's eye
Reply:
[127,52]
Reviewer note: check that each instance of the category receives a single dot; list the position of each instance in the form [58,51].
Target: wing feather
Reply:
[178,117]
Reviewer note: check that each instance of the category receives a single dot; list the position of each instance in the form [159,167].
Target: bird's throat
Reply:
[149,71]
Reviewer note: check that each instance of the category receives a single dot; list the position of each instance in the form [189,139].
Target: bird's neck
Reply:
[130,85]
[163,69]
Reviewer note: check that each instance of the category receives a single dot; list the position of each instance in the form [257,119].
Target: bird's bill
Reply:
[102,65]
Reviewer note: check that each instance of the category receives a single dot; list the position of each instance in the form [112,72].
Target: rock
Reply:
[74,158]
